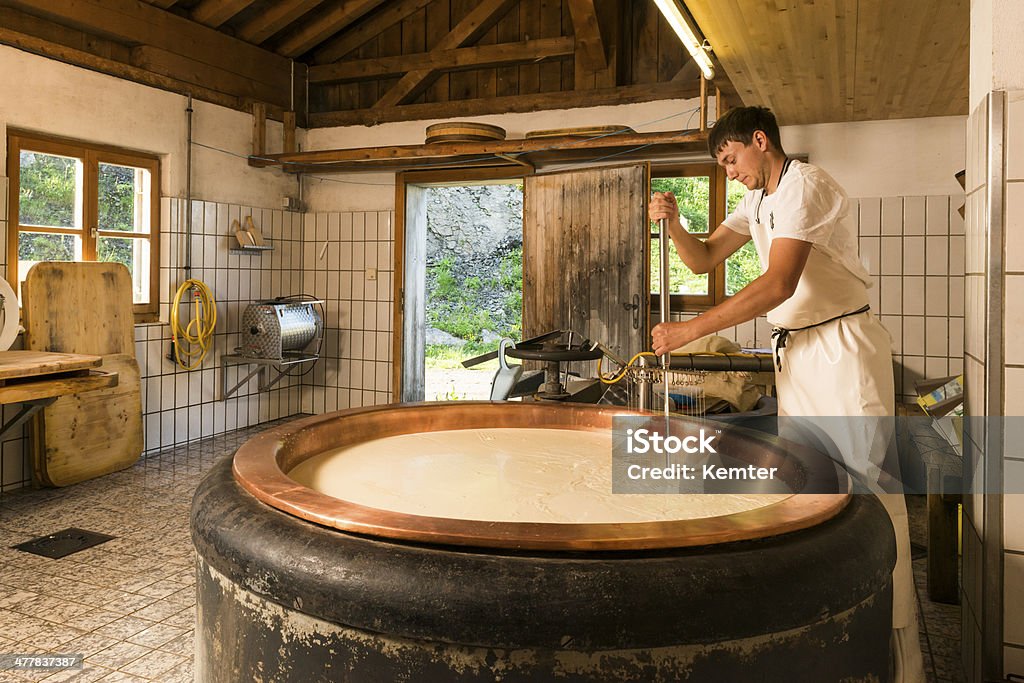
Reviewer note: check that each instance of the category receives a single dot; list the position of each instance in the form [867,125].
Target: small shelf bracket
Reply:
[281,366]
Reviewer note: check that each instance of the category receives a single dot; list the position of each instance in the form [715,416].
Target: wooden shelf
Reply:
[526,155]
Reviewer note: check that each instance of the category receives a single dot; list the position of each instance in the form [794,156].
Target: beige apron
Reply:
[844,368]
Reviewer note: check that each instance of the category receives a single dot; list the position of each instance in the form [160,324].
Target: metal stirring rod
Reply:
[663,300]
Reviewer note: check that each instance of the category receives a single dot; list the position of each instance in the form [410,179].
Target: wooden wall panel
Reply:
[438,25]
[645,64]
[507,77]
[639,46]
[529,27]
[414,41]
[368,90]
[461,84]
[550,27]
[487,79]
[585,236]
[389,44]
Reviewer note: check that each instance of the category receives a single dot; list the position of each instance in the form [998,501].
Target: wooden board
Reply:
[585,251]
[59,384]
[31,363]
[85,308]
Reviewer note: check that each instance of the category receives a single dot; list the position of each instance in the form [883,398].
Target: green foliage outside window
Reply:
[48,197]
[693,197]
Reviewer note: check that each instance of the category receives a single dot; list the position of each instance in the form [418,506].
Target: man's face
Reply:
[746,163]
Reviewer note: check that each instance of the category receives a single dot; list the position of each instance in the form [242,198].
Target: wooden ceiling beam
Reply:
[325,26]
[357,36]
[589,44]
[475,24]
[501,105]
[162,4]
[459,59]
[275,18]
[136,23]
[120,69]
[214,13]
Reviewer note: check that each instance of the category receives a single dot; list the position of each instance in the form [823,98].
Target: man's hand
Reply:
[668,337]
[663,205]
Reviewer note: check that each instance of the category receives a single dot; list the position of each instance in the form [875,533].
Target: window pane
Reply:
[50,190]
[744,266]
[692,196]
[681,279]
[34,247]
[134,254]
[734,191]
[741,269]
[124,198]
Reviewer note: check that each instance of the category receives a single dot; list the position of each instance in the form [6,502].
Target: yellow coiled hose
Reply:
[197,335]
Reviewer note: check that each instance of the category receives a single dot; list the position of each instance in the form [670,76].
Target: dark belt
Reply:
[780,334]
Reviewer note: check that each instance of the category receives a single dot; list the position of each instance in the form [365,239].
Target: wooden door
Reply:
[586,256]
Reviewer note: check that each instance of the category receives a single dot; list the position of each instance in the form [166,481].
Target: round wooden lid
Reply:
[463,131]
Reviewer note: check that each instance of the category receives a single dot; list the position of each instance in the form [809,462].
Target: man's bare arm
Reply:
[700,256]
[785,264]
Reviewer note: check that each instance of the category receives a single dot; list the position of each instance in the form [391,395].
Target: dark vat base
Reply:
[284,600]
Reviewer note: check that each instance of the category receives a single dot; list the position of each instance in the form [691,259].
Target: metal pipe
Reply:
[188,189]
[664,297]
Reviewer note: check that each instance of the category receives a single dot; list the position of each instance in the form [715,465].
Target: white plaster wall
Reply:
[46,96]
[902,157]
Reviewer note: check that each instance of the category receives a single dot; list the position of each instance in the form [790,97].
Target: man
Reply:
[832,355]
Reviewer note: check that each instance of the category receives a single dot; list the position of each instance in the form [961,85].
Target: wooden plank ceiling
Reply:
[370,61]
[816,61]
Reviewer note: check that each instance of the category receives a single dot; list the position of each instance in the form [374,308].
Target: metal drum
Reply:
[271,329]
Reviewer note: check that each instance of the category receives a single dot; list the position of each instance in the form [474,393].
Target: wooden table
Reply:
[37,378]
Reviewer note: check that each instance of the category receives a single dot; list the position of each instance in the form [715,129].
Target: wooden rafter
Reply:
[275,18]
[475,24]
[325,26]
[483,56]
[213,13]
[589,44]
[119,67]
[569,99]
[357,36]
[162,4]
[135,23]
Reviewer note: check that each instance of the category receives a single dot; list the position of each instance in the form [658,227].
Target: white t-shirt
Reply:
[808,205]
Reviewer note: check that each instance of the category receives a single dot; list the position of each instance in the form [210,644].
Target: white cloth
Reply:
[843,368]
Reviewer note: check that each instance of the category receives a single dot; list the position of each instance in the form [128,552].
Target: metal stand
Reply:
[28,409]
[262,366]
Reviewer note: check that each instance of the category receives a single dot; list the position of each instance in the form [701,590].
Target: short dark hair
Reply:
[739,124]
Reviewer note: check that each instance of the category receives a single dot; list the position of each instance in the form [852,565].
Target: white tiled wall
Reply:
[914,249]
[1013,389]
[349,263]
[974,588]
[179,405]
[346,259]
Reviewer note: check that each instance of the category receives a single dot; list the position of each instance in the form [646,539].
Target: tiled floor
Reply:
[128,605]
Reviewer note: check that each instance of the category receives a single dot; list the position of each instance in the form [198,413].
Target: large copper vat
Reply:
[297,585]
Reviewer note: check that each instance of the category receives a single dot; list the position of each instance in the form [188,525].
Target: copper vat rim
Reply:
[257,467]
